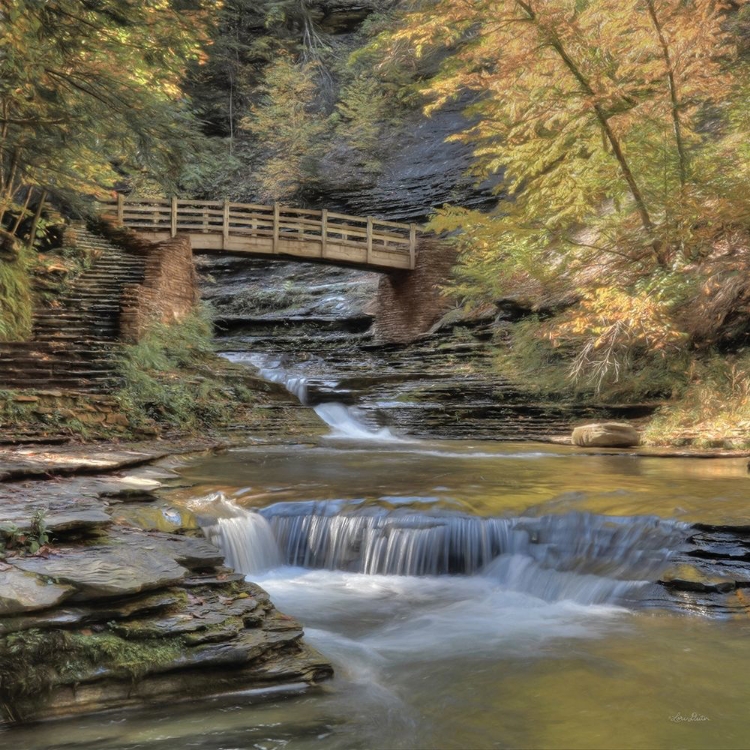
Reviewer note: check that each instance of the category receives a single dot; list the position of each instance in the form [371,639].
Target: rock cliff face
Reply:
[421,172]
[419,169]
[316,322]
[128,606]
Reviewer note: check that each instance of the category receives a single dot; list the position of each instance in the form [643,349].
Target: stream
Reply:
[468,594]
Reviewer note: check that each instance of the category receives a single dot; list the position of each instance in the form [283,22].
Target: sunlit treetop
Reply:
[621,114]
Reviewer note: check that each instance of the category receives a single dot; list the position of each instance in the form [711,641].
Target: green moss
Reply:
[24,416]
[34,662]
[130,659]
[16,304]
[170,379]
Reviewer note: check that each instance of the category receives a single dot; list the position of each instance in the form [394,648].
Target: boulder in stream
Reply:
[606,435]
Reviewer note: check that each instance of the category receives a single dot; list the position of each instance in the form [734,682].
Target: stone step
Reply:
[63,317]
[47,380]
[43,378]
[64,312]
[61,338]
[79,361]
[100,270]
[75,344]
[113,257]
[94,295]
[21,364]
[100,327]
[77,333]
[110,259]
[71,384]
[74,313]
[108,282]
[89,306]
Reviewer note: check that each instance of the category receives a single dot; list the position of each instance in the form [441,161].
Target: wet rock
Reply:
[194,553]
[134,606]
[305,664]
[225,578]
[606,435]
[144,616]
[94,613]
[247,647]
[682,584]
[275,665]
[154,517]
[193,615]
[225,632]
[130,495]
[172,625]
[26,592]
[72,520]
[103,572]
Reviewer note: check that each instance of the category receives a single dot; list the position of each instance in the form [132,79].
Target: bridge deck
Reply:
[247,228]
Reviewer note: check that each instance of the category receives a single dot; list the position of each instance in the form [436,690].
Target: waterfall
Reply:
[342,419]
[579,556]
[343,422]
[245,537]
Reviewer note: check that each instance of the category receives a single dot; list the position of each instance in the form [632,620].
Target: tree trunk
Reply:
[37,215]
[603,120]
[22,212]
[675,105]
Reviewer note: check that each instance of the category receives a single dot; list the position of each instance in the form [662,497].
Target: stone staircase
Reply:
[74,345]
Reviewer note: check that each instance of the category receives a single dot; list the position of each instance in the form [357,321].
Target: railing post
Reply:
[276,217]
[324,233]
[369,239]
[412,246]
[225,226]
[173,217]
[120,209]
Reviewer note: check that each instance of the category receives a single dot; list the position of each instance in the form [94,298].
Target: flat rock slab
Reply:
[155,517]
[18,463]
[108,572]
[26,592]
[248,646]
[105,612]
[192,552]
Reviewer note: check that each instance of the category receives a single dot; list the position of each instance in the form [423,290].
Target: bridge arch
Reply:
[251,229]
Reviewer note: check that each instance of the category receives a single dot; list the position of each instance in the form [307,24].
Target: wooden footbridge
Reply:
[250,229]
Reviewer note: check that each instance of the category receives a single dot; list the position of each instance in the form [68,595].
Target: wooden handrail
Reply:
[395,242]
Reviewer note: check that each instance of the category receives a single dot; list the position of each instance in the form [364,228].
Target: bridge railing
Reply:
[387,239]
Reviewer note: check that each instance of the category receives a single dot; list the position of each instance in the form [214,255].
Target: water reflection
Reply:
[486,479]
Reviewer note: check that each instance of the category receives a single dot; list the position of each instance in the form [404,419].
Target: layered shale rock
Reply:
[317,324]
[100,611]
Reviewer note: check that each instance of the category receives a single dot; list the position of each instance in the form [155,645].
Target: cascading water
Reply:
[578,556]
[342,419]
[245,538]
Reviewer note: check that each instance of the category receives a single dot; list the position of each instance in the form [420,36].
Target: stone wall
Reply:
[49,408]
[409,303]
[169,291]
